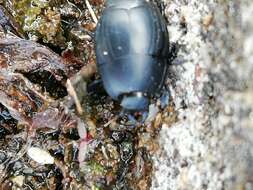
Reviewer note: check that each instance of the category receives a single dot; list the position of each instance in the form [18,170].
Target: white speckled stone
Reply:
[210,146]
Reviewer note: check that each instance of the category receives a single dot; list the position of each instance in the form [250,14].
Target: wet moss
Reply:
[40,21]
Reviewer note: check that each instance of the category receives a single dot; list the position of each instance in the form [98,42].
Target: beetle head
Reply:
[128,4]
[134,101]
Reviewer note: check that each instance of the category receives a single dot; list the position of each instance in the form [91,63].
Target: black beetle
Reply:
[132,47]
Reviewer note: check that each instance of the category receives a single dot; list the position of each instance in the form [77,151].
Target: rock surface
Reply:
[210,146]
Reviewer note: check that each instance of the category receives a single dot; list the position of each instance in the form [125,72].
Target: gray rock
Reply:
[210,146]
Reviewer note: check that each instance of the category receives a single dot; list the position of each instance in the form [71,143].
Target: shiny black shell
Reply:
[131,50]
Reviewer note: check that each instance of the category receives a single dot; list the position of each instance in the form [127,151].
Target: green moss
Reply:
[38,18]
[93,168]
[94,187]
[96,168]
[27,12]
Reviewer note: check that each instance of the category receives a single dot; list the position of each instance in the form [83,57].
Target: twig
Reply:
[111,121]
[89,70]
[72,93]
[93,15]
[29,85]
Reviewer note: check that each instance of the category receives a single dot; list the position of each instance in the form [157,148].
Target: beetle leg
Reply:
[144,117]
[91,34]
[173,51]
[132,119]
[165,97]
[96,87]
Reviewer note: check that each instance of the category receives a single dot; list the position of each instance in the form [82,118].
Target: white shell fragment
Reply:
[40,156]
[83,150]
[82,131]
